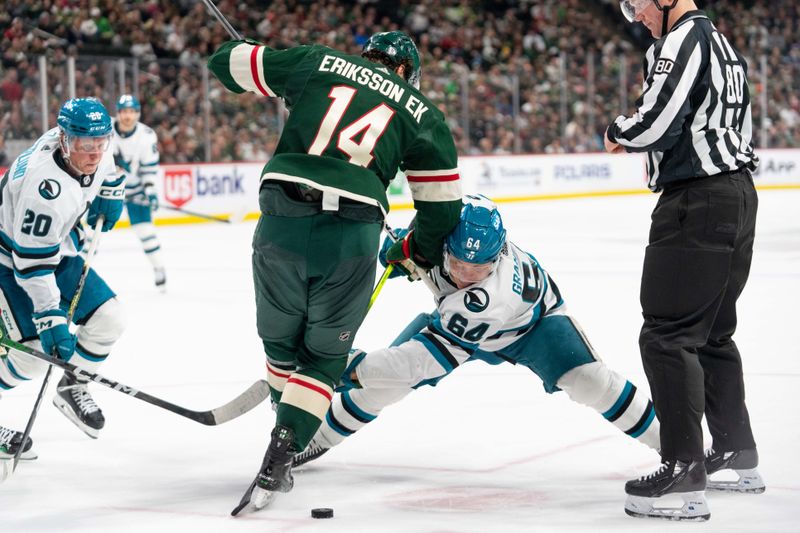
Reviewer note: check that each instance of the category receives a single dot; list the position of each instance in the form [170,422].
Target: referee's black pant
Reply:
[695,267]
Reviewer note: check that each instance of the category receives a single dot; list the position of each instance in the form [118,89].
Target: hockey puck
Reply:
[322,512]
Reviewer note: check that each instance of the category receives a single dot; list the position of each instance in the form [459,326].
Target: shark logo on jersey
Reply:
[476,300]
[49,189]
[121,162]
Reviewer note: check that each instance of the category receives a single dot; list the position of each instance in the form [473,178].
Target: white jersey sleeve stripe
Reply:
[435,191]
[247,68]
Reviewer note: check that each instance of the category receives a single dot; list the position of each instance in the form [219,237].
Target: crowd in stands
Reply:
[573,64]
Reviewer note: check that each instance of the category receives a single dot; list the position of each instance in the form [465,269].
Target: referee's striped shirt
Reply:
[694,116]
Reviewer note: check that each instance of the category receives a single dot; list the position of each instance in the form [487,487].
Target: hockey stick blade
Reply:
[245,501]
[254,395]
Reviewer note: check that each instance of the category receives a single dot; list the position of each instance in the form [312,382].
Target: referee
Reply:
[694,122]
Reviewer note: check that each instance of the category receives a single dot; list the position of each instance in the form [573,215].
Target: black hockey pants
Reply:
[695,267]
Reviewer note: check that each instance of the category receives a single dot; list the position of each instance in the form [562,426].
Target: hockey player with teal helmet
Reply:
[472,249]
[84,117]
[85,125]
[480,236]
[86,129]
[395,48]
[128,101]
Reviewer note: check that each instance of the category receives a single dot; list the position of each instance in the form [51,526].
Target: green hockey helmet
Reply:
[395,48]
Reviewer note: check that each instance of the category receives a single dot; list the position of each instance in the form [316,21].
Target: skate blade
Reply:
[6,469]
[749,482]
[261,498]
[694,507]
[254,500]
[62,406]
[30,455]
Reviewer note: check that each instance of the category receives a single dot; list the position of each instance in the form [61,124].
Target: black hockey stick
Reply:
[196,214]
[222,20]
[228,220]
[254,395]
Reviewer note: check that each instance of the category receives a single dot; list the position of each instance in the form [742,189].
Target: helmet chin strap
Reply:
[664,14]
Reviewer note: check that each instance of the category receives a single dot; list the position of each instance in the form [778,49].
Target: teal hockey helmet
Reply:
[479,236]
[472,250]
[128,101]
[84,117]
[395,48]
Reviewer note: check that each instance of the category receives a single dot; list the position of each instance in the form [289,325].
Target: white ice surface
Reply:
[485,451]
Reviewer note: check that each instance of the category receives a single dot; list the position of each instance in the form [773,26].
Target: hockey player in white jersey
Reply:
[43,196]
[136,156]
[494,303]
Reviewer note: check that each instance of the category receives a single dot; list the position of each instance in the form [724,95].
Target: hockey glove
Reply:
[53,331]
[401,254]
[387,244]
[151,195]
[108,203]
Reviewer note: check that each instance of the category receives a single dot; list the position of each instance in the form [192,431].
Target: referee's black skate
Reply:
[647,495]
[275,475]
[10,442]
[73,399]
[743,463]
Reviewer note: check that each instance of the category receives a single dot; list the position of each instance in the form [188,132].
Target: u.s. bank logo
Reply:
[49,189]
[476,300]
[178,185]
[664,66]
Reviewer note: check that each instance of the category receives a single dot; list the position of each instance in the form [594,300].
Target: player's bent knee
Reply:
[588,384]
[106,324]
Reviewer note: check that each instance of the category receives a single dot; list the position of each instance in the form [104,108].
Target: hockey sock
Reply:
[303,405]
[617,399]
[150,243]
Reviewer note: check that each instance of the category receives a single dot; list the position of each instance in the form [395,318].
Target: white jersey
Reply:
[486,316]
[136,156]
[40,210]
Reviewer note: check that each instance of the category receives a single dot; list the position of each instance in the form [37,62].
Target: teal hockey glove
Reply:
[54,333]
[151,195]
[108,203]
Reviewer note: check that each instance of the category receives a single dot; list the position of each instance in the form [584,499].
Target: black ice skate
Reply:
[10,442]
[73,399]
[275,475]
[741,462]
[674,478]
[313,451]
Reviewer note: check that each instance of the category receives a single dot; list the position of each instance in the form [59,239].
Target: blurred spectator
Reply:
[10,87]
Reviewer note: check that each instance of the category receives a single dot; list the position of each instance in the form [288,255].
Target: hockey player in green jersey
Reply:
[354,121]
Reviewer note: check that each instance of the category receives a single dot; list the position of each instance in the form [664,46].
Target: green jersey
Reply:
[352,124]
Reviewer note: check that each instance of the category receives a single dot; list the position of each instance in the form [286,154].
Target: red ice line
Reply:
[522,460]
